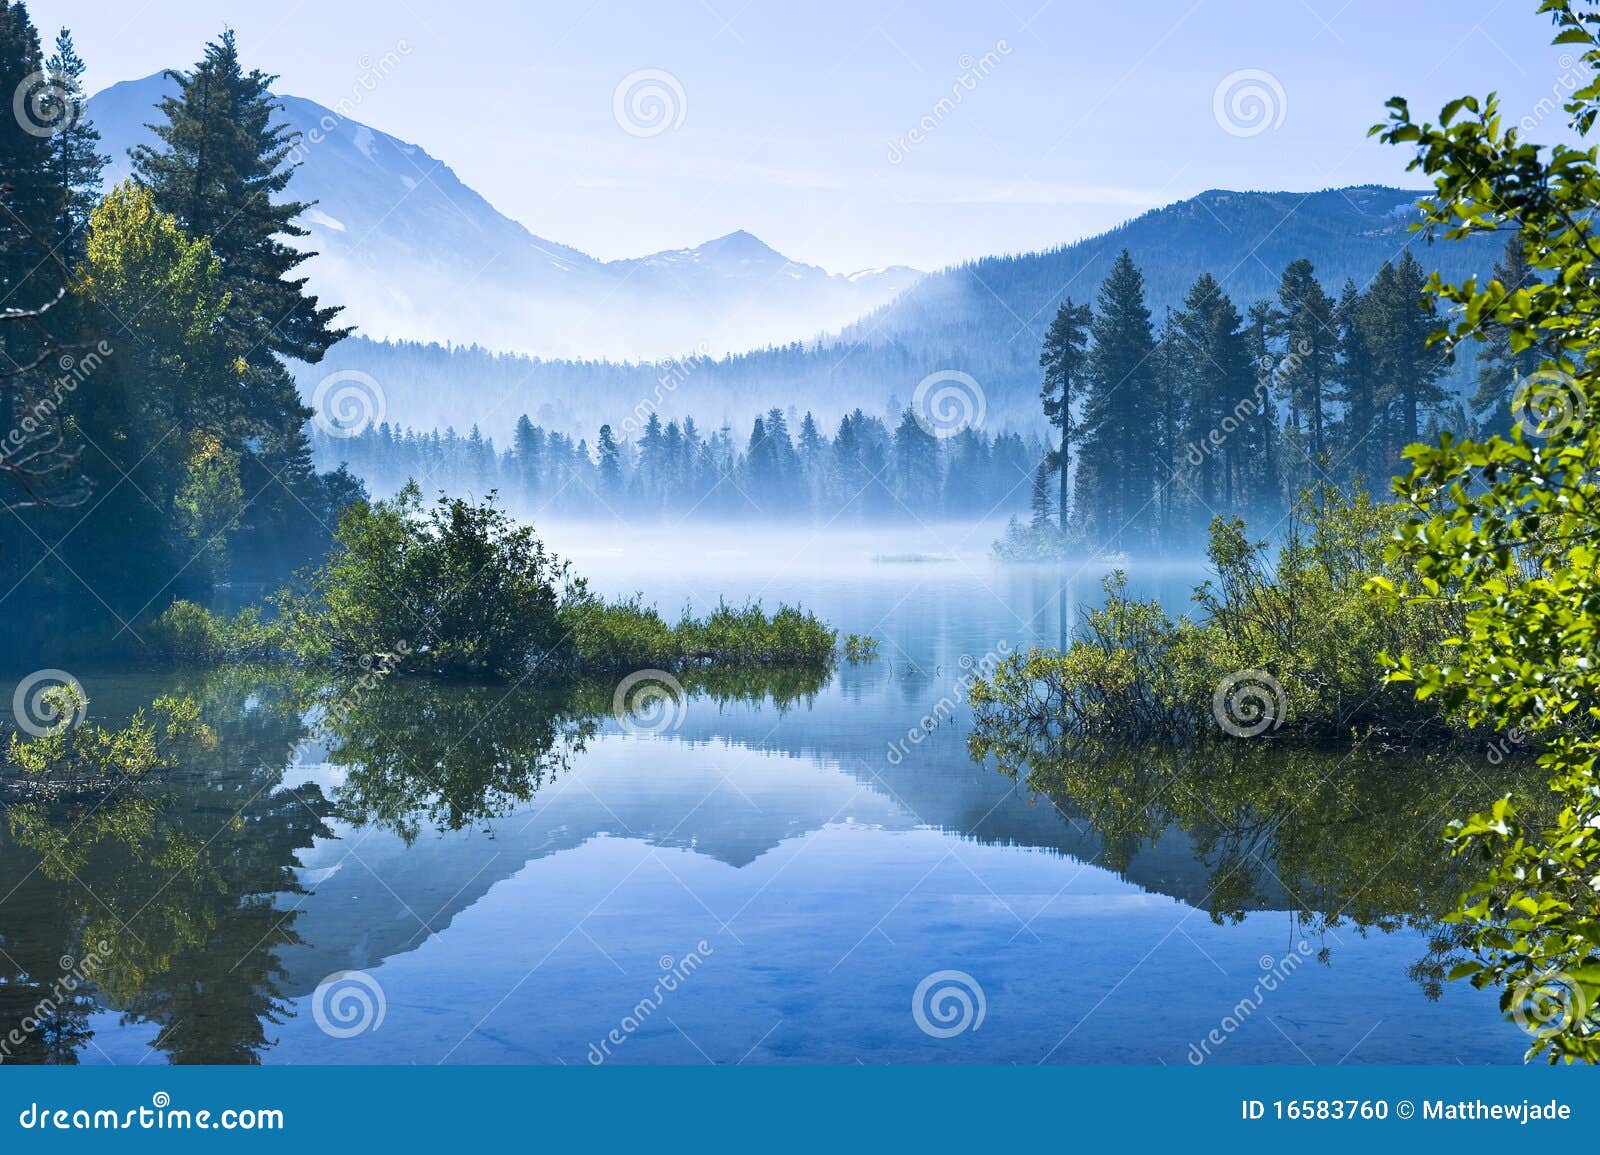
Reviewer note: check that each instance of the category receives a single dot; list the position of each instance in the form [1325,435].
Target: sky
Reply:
[865,133]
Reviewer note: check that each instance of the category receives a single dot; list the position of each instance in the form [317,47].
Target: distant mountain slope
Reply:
[986,318]
[414,253]
[1244,239]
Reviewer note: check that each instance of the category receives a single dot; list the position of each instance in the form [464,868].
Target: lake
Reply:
[812,870]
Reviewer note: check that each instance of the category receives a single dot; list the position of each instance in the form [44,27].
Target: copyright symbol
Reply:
[1405,1108]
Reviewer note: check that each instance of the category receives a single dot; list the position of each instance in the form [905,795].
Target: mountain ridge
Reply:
[985,318]
[412,251]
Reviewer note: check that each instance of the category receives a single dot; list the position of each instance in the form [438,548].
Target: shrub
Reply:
[192,632]
[860,647]
[457,590]
[1301,638]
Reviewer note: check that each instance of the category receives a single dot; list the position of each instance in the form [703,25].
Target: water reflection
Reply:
[1335,837]
[180,892]
[222,891]
[169,884]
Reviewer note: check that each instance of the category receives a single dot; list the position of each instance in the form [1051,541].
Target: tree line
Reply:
[671,469]
[1218,411]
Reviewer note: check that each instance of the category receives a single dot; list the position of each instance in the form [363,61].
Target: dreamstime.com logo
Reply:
[1573,76]
[348,1003]
[1249,702]
[1274,973]
[348,403]
[945,708]
[47,701]
[1249,102]
[673,374]
[373,73]
[160,1115]
[649,702]
[649,102]
[972,72]
[38,417]
[42,107]
[947,402]
[947,1004]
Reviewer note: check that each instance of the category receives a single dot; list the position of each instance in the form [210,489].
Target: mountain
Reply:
[1244,239]
[412,252]
[986,318]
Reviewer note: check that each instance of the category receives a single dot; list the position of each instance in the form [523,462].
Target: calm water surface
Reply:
[515,874]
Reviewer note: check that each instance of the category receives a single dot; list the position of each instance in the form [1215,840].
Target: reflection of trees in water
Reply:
[1341,838]
[178,875]
[426,754]
[188,875]
[447,756]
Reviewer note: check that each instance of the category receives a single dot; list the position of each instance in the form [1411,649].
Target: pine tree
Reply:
[527,447]
[1311,347]
[217,169]
[610,462]
[75,158]
[1408,368]
[917,465]
[34,196]
[1063,359]
[1266,491]
[1039,496]
[1361,441]
[652,471]
[219,166]
[1217,373]
[1116,471]
[1172,405]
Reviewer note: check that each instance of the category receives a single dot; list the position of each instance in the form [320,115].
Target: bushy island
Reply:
[459,590]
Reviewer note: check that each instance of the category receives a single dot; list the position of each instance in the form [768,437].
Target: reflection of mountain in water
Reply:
[433,795]
[731,784]
[728,803]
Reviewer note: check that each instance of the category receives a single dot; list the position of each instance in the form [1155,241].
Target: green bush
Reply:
[625,633]
[1293,644]
[457,590]
[193,633]
[461,591]
[860,647]
[748,634]
[1039,541]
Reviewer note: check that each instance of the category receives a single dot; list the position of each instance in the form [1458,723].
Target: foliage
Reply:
[456,589]
[418,752]
[1508,527]
[180,422]
[75,158]
[627,633]
[1038,540]
[461,591]
[1301,631]
[193,633]
[748,635]
[167,886]
[860,647]
[74,755]
[1332,838]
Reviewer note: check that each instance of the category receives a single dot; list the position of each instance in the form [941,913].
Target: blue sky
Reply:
[795,121]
